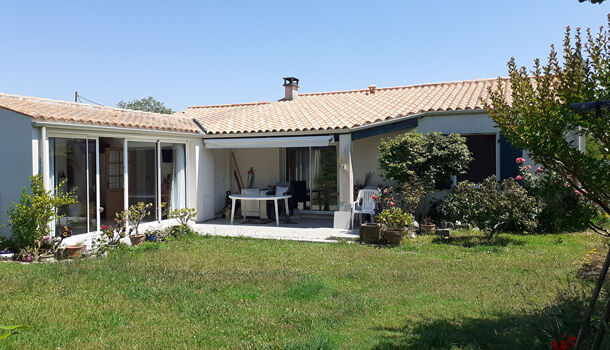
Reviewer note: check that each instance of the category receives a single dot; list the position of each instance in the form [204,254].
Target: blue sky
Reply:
[203,52]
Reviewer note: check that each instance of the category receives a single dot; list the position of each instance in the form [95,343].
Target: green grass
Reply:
[210,292]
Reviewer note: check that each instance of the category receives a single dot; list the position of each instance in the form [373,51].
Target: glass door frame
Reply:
[157,142]
[284,177]
[87,138]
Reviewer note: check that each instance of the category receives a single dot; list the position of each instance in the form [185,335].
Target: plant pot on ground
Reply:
[394,221]
[427,226]
[392,236]
[73,251]
[137,239]
[370,233]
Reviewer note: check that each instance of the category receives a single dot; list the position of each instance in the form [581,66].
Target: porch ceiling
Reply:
[270,142]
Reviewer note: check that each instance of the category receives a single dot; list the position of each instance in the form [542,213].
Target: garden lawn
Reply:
[211,292]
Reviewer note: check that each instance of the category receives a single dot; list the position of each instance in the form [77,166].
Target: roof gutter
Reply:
[75,126]
[344,130]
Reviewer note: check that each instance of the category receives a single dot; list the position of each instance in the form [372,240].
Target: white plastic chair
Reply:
[364,204]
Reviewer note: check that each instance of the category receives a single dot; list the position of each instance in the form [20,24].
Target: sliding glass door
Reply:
[128,172]
[142,160]
[314,170]
[173,177]
[73,169]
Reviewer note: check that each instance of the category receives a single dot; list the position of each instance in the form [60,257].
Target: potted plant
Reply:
[427,225]
[73,251]
[370,232]
[393,221]
[134,217]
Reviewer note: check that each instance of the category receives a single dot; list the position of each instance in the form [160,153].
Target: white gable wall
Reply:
[16,140]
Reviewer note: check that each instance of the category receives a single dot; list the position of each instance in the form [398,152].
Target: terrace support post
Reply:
[346,182]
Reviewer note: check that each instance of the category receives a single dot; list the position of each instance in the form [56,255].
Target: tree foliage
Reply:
[533,110]
[148,104]
[429,158]
[29,218]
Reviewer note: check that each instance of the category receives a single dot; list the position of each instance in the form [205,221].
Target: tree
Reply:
[534,112]
[429,158]
[592,1]
[148,104]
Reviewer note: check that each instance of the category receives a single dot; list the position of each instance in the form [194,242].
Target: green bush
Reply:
[561,208]
[29,219]
[491,206]
[394,218]
[431,158]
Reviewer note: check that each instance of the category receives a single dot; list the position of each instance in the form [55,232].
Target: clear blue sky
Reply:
[188,53]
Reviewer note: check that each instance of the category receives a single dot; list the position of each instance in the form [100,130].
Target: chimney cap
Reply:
[372,89]
[291,81]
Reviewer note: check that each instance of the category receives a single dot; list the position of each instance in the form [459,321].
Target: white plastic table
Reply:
[251,197]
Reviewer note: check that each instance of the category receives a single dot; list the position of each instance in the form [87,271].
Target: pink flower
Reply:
[391,204]
[529,166]
[104,227]
[46,239]
[519,178]
[374,197]
[385,191]
[520,160]
[539,170]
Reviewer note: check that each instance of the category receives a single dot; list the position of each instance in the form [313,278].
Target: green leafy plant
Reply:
[407,197]
[134,216]
[430,158]
[562,209]
[491,206]
[532,109]
[29,219]
[394,218]
[183,216]
[10,330]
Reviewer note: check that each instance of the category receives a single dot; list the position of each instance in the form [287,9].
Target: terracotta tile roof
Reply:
[62,111]
[341,109]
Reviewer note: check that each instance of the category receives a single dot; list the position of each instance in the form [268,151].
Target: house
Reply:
[327,140]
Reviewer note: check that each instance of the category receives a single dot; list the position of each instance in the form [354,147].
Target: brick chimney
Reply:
[291,86]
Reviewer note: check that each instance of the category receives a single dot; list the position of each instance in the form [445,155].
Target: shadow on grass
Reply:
[477,241]
[529,330]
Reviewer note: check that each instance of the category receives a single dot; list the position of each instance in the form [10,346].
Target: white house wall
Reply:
[222,177]
[16,139]
[202,180]
[365,159]
[473,123]
[266,164]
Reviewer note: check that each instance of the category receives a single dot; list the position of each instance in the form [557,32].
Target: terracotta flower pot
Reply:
[392,236]
[137,239]
[73,251]
[427,228]
[370,233]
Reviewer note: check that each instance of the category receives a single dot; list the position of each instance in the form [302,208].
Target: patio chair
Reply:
[364,204]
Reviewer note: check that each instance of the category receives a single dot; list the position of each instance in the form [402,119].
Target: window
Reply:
[483,165]
[72,164]
[314,170]
[173,177]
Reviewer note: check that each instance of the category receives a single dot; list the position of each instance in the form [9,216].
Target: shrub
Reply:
[407,197]
[183,216]
[394,218]
[29,219]
[430,158]
[134,216]
[561,208]
[491,206]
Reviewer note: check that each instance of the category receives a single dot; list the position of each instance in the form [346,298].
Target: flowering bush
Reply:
[561,207]
[407,197]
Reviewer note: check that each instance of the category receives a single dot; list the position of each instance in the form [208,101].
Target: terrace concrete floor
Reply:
[301,228]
